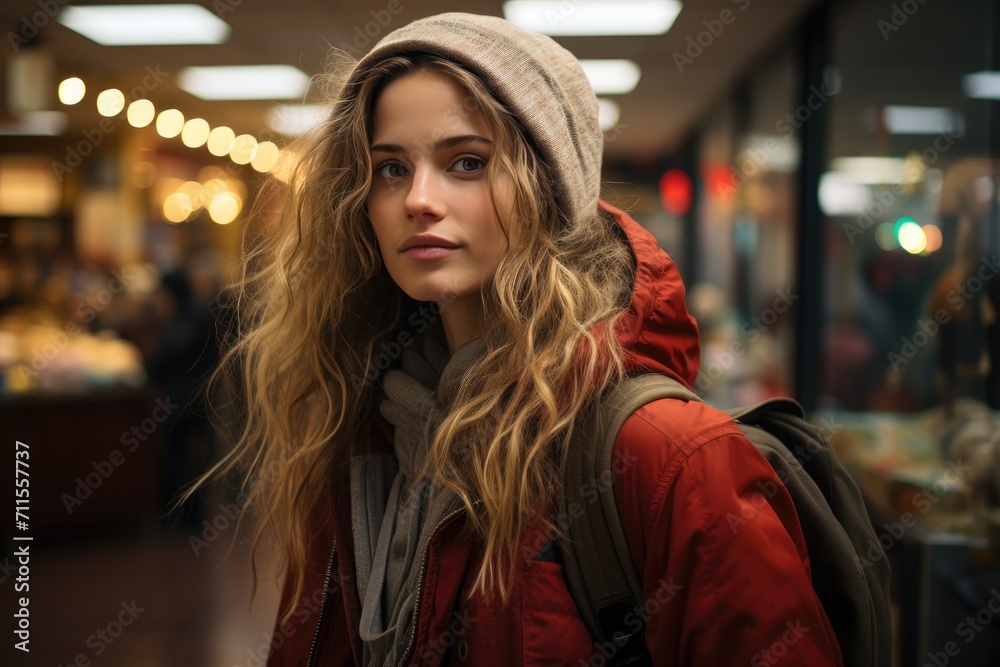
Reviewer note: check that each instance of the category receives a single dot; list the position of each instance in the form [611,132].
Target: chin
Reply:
[437,291]
[427,292]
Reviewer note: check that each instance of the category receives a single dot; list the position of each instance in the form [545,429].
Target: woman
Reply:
[442,296]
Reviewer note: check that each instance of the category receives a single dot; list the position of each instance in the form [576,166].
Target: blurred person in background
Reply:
[184,355]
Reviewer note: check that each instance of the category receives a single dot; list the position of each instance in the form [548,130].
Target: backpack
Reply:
[853,588]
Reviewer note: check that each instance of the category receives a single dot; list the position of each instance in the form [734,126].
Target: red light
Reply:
[675,192]
[719,182]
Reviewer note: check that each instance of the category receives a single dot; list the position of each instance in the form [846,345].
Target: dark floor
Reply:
[141,600]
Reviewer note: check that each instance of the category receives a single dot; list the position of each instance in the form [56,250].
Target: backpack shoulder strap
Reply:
[599,569]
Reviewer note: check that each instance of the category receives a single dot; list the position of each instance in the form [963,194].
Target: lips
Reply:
[426,241]
[428,252]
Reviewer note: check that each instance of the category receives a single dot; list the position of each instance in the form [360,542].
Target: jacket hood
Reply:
[657,331]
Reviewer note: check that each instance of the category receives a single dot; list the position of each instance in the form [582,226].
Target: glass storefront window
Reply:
[745,285]
[910,199]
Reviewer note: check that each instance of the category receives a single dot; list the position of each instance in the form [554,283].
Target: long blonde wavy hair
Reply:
[315,305]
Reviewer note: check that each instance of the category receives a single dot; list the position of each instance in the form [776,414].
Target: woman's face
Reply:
[430,146]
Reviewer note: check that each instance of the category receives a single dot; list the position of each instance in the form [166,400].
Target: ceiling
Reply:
[655,117]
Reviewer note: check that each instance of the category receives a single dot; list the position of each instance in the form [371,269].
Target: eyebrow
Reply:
[447,142]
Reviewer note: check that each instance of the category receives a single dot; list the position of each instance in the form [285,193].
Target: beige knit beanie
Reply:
[540,81]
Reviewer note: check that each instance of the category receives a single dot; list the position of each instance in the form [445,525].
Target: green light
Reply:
[885,236]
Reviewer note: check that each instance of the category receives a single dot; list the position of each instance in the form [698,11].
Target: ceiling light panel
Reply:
[982,85]
[593,17]
[608,113]
[870,170]
[244,82]
[138,25]
[922,120]
[611,77]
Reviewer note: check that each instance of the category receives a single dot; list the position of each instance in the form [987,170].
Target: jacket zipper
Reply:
[416,606]
[322,604]
[420,587]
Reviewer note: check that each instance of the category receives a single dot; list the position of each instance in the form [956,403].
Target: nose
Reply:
[424,200]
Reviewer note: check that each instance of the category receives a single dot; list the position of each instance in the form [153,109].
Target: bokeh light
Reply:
[177,207]
[224,207]
[165,187]
[195,132]
[220,141]
[934,238]
[195,192]
[169,123]
[911,237]
[72,90]
[243,150]
[885,236]
[212,187]
[266,157]
[110,102]
[140,113]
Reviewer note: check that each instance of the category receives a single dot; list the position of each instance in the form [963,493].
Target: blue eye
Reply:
[390,170]
[469,164]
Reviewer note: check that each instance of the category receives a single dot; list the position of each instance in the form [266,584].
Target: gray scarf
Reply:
[394,514]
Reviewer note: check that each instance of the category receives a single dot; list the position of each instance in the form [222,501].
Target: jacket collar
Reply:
[658,332]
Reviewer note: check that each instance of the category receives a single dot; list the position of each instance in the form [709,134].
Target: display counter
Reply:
[926,480]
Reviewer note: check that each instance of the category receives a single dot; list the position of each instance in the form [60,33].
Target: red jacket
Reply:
[710,527]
